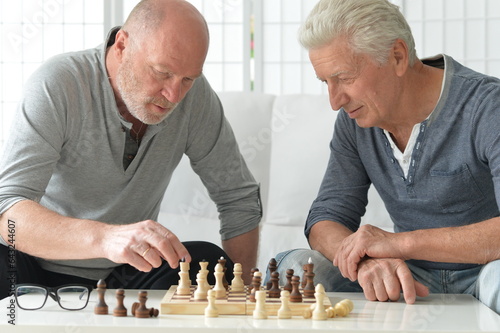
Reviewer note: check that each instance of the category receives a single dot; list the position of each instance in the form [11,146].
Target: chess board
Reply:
[235,303]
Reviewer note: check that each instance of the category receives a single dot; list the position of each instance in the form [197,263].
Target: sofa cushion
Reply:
[186,208]
[299,156]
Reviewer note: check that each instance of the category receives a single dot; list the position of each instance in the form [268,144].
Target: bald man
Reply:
[96,139]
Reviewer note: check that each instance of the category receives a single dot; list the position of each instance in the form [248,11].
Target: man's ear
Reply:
[400,56]
[121,43]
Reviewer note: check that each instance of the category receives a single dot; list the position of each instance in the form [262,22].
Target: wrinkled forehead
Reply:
[335,56]
[175,56]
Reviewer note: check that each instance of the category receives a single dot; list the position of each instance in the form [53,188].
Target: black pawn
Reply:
[295,295]
[120,310]
[101,307]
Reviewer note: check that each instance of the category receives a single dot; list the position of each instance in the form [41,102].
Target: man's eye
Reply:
[346,79]
[159,73]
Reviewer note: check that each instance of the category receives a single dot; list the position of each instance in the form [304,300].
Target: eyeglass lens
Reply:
[73,298]
[69,297]
[31,297]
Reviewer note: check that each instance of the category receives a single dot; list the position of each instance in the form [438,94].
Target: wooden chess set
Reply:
[292,299]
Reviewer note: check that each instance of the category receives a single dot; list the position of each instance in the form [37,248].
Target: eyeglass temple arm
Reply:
[83,294]
[54,296]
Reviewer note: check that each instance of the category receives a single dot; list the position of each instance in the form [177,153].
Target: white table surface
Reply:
[435,313]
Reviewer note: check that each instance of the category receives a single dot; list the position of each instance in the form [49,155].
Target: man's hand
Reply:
[143,245]
[384,279]
[368,241]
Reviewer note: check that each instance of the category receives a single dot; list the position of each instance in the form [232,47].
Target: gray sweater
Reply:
[67,145]
[454,175]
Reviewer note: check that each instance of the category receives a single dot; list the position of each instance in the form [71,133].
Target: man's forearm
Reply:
[43,233]
[243,249]
[475,243]
[326,236]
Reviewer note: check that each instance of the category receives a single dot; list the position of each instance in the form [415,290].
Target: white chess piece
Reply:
[204,272]
[319,312]
[220,291]
[284,311]
[201,292]
[184,283]
[211,310]
[343,308]
[237,283]
[260,305]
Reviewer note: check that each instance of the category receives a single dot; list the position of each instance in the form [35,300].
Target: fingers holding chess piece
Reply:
[184,282]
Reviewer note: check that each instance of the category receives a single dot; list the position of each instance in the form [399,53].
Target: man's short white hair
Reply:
[370,26]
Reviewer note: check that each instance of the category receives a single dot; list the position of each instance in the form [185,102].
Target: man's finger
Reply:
[407,284]
[172,250]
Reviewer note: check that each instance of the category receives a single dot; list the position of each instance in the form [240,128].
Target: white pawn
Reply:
[201,291]
[284,311]
[211,310]
[237,283]
[319,312]
[220,291]
[260,305]
[184,283]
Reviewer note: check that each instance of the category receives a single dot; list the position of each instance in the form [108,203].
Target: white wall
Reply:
[33,30]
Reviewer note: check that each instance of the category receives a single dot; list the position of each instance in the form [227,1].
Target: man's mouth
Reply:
[353,113]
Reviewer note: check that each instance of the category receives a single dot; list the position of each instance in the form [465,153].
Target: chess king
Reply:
[93,146]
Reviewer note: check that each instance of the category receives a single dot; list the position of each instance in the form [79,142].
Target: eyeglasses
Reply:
[69,297]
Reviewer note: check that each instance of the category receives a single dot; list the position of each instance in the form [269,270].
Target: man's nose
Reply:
[172,90]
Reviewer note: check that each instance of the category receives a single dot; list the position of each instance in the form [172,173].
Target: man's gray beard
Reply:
[124,79]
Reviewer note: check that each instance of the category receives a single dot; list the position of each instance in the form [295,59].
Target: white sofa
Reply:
[285,142]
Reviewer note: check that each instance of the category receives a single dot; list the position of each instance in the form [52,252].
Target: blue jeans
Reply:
[483,282]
